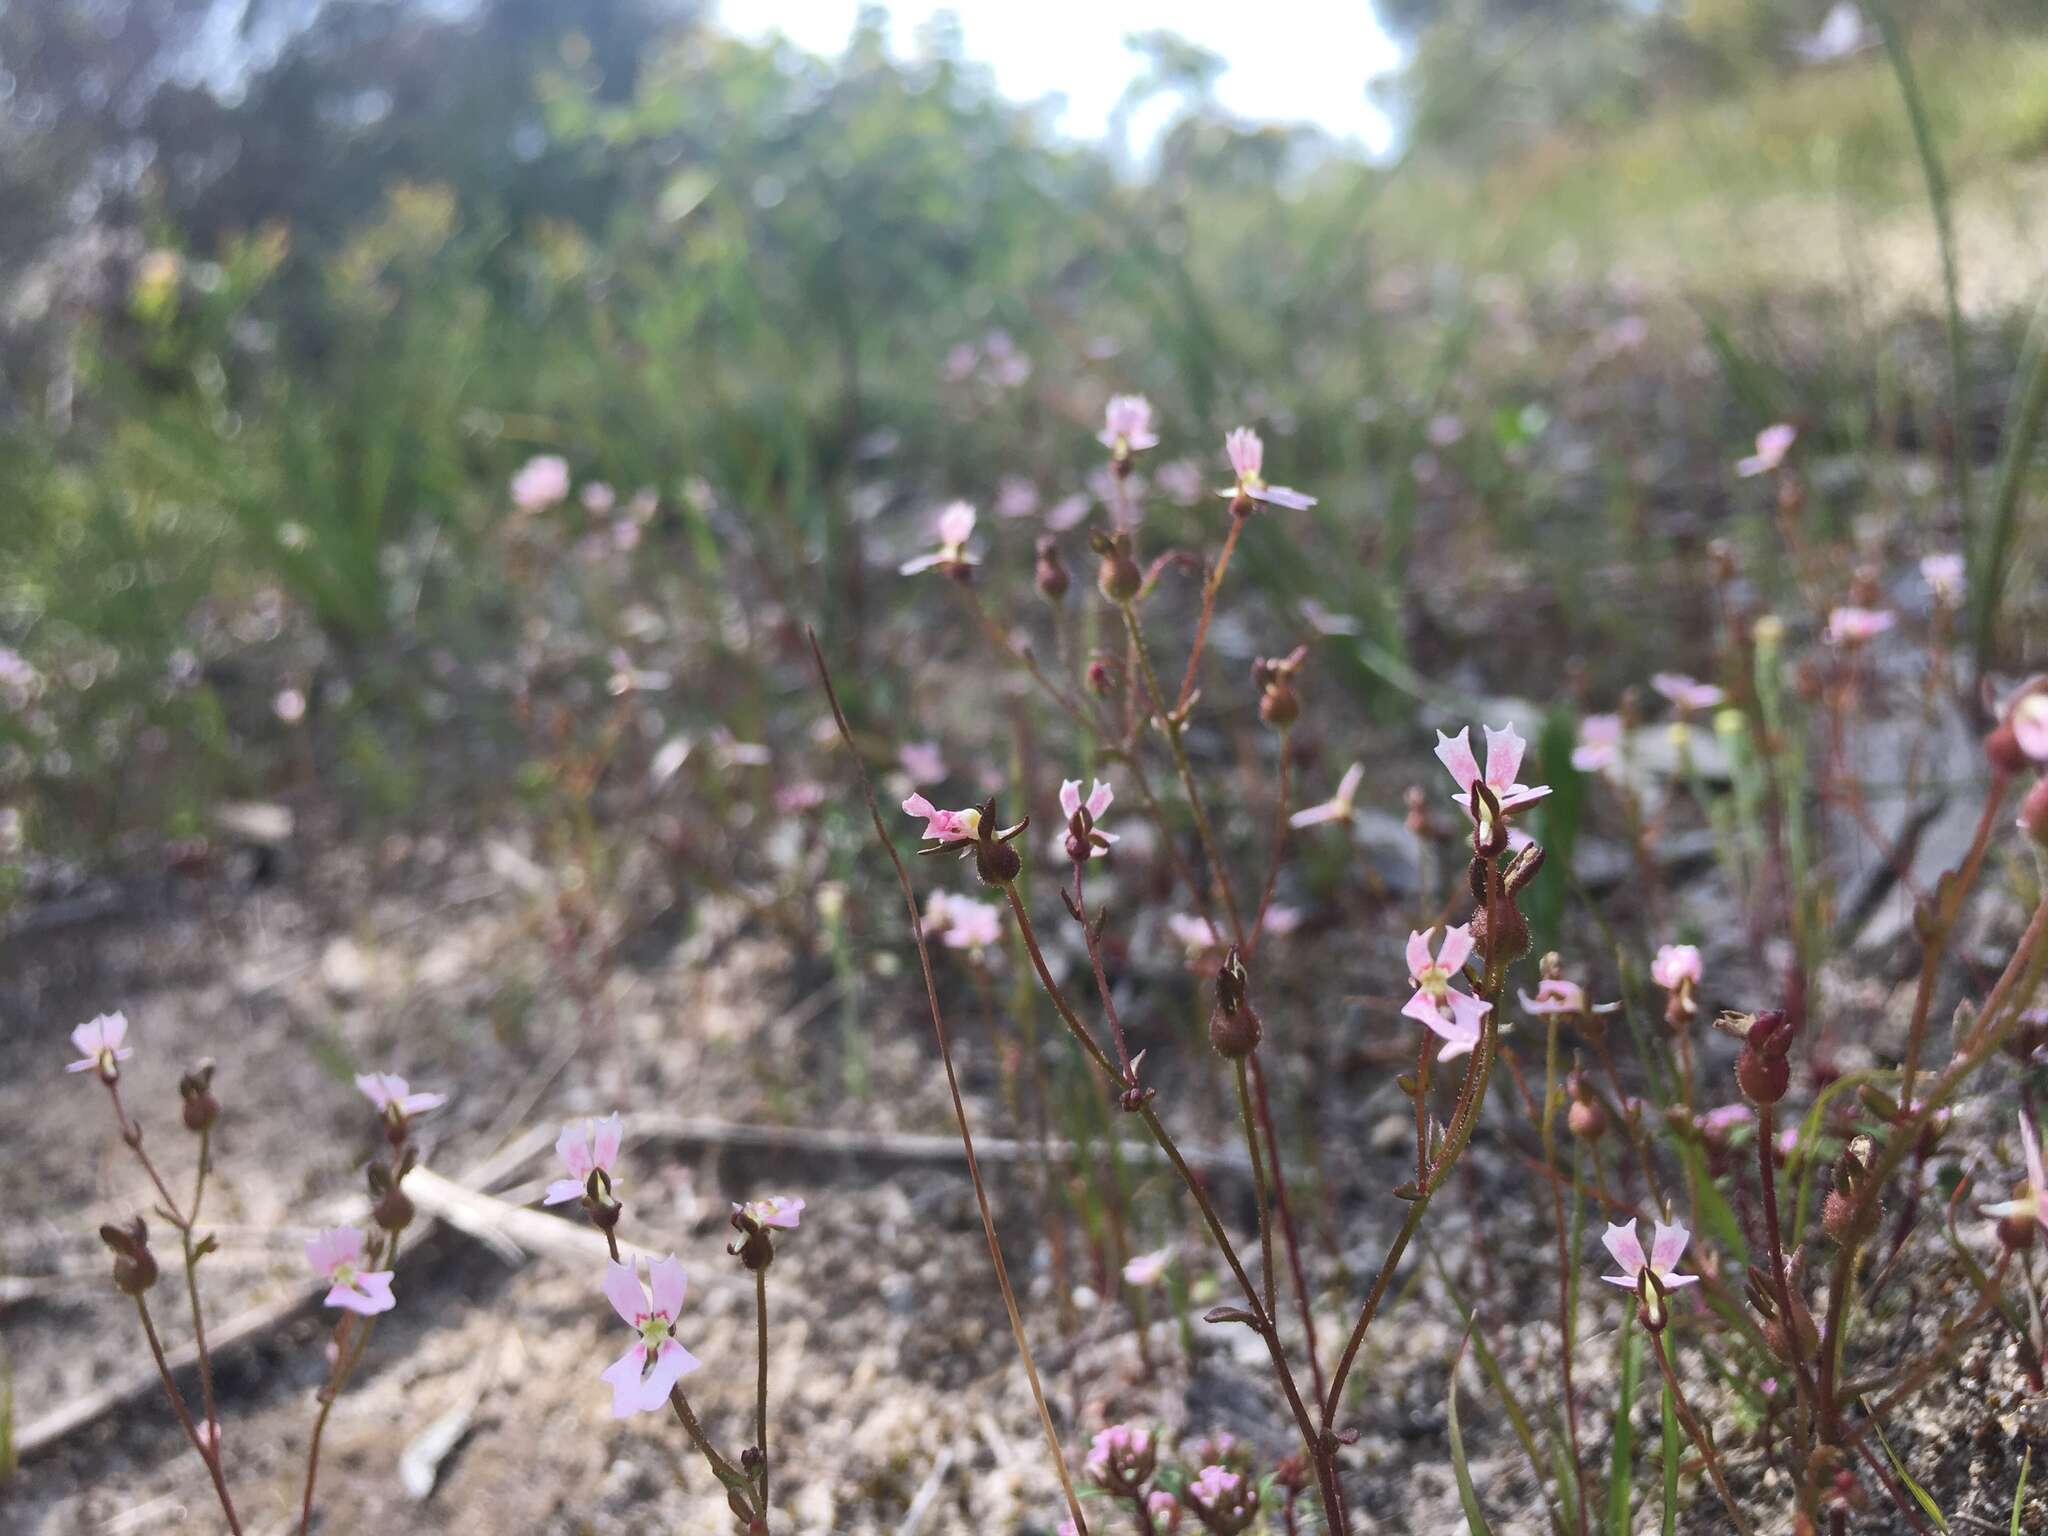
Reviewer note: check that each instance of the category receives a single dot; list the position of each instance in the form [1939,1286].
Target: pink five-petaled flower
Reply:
[782,1211]
[956,525]
[1338,807]
[1667,1247]
[1455,1016]
[1600,743]
[2033,1205]
[393,1096]
[1086,838]
[586,1147]
[1127,426]
[98,1043]
[541,482]
[336,1255]
[642,1378]
[1504,751]
[1147,1269]
[1688,693]
[1848,626]
[1676,965]
[1772,444]
[1247,457]
[1943,574]
[944,826]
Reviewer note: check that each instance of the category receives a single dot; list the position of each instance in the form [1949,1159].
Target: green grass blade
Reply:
[1475,1517]
[1989,561]
[1490,1365]
[1674,1448]
[1920,1495]
[1623,1456]
[2019,1494]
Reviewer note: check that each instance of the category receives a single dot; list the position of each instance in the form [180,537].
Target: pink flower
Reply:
[1280,920]
[776,1211]
[944,827]
[1555,995]
[391,1094]
[1675,965]
[336,1255]
[1147,1269]
[1067,512]
[1724,1118]
[1772,444]
[1338,807]
[1689,694]
[1943,574]
[598,498]
[289,706]
[1224,1499]
[1127,426]
[642,1378]
[922,761]
[1856,626]
[98,1043]
[1455,1016]
[2033,1205]
[2030,726]
[1600,743]
[1667,1247]
[1180,480]
[1165,1511]
[1115,1448]
[1085,837]
[586,1148]
[1247,457]
[541,482]
[1504,751]
[1015,497]
[955,527]
[798,796]
[1197,934]
[971,924]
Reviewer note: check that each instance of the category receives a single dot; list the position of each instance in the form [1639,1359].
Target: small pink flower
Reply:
[1197,934]
[922,761]
[1165,1511]
[944,827]
[1180,480]
[598,498]
[289,706]
[642,1378]
[1338,807]
[1247,457]
[1724,1118]
[586,1148]
[1772,444]
[336,1255]
[1689,694]
[971,924]
[1600,743]
[1667,1247]
[2030,726]
[1015,497]
[2033,1205]
[1085,837]
[1225,1500]
[798,796]
[775,1211]
[1555,995]
[1127,426]
[1943,574]
[394,1097]
[1280,920]
[1116,1447]
[541,482]
[1067,512]
[1453,1015]
[1849,626]
[1504,751]
[955,527]
[98,1043]
[1147,1269]
[1676,965]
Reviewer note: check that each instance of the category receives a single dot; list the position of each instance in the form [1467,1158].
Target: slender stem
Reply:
[1251,1141]
[761,1377]
[1281,828]
[1699,1438]
[206,1452]
[1209,590]
[721,1468]
[192,1293]
[1285,1212]
[1949,898]
[131,1135]
[349,1343]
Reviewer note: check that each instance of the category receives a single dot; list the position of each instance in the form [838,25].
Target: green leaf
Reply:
[2019,1494]
[1673,1449]
[1920,1495]
[1624,1435]
[1475,1518]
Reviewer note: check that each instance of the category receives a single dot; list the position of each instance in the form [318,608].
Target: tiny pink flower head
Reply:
[336,1255]
[944,827]
[1723,1118]
[1667,1247]
[1068,1528]
[971,924]
[1943,574]
[1127,425]
[955,527]
[1772,444]
[1688,693]
[922,761]
[1557,997]
[599,498]
[1600,741]
[289,706]
[1165,1511]
[1676,965]
[1085,837]
[586,1147]
[2033,1205]
[1114,1449]
[541,482]
[1224,1499]
[1197,934]
[1455,1016]
[98,1043]
[2030,725]
[393,1096]
[1147,1269]
[1247,457]
[1504,749]
[1848,626]
[1339,807]
[642,1378]
[782,1211]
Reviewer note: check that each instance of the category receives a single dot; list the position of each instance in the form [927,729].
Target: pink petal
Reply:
[1504,751]
[86,1065]
[1099,797]
[1626,1282]
[1315,815]
[1455,753]
[352,1300]
[1667,1246]
[622,1290]
[87,1039]
[1347,787]
[917,805]
[1422,1008]
[920,563]
[1283,496]
[610,1132]
[1626,1247]
[2030,726]
[1678,1282]
[420,1103]
[956,523]
[113,1030]
[332,1247]
[669,1284]
[375,1286]
[562,1191]
[1469,1012]
[624,1375]
[1418,955]
[1456,948]
[573,1148]
[1070,797]
[671,1364]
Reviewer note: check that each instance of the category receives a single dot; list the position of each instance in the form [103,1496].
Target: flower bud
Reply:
[135,1268]
[1512,936]
[1279,704]
[1762,1068]
[1587,1118]
[995,861]
[1118,576]
[1234,1027]
[1051,570]
[1101,679]
[201,1108]
[1846,1215]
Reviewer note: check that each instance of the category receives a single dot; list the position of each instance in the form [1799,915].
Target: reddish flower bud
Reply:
[1234,1027]
[1051,570]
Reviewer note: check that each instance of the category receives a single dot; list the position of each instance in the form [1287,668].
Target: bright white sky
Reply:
[1289,60]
